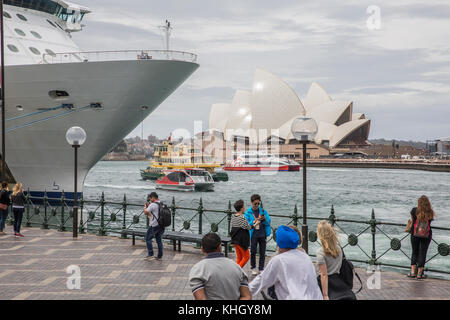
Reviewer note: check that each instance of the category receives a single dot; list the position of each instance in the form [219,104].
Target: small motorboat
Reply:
[186,180]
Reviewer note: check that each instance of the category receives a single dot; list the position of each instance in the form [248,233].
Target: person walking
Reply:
[5,201]
[421,235]
[291,272]
[18,200]
[259,220]
[329,258]
[154,230]
[240,236]
[217,277]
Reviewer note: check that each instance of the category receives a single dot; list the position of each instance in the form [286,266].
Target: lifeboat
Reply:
[186,180]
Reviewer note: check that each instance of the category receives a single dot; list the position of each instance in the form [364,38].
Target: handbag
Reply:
[3,206]
[408,226]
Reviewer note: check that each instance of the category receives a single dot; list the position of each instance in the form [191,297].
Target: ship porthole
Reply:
[21,17]
[6,15]
[35,34]
[20,32]
[58,94]
[50,52]
[13,48]
[35,51]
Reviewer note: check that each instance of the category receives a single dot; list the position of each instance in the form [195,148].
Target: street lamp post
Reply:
[75,136]
[2,62]
[304,130]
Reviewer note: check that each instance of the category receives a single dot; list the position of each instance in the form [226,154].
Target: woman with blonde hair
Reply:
[18,204]
[4,203]
[421,235]
[329,259]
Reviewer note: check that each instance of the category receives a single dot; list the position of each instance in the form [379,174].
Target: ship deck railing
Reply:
[122,55]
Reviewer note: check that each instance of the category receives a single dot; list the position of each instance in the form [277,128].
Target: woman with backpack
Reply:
[4,203]
[421,235]
[330,258]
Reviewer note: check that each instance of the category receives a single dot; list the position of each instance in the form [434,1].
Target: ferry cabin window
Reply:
[174,176]
[13,48]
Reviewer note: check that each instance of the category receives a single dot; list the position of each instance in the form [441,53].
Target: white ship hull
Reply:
[38,154]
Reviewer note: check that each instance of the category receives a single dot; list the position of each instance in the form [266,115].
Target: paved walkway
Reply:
[34,267]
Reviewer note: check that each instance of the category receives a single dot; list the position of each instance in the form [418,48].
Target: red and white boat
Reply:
[260,161]
[186,180]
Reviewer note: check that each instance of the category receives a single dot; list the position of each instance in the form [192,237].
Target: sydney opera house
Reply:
[268,111]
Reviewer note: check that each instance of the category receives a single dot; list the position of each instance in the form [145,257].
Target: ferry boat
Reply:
[260,161]
[186,180]
[171,155]
[52,85]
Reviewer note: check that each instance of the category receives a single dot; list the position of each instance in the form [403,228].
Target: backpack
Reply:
[347,271]
[421,229]
[164,215]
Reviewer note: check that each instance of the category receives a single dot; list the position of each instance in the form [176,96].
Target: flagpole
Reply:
[3,93]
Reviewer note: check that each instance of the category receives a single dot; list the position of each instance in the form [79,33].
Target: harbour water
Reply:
[352,192]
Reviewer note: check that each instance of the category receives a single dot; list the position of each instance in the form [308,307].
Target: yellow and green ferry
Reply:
[170,155]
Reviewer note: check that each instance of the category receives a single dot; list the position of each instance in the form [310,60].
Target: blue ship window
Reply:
[47,6]
[6,15]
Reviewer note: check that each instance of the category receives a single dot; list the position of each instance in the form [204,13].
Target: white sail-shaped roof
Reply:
[240,114]
[218,116]
[272,102]
[324,132]
[357,116]
[331,111]
[316,96]
[347,129]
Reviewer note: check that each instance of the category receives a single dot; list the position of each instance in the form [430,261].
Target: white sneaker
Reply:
[150,258]
[255,272]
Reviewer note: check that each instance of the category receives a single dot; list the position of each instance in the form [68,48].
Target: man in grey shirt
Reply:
[217,277]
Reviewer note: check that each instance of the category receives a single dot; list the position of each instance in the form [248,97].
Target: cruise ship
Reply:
[52,85]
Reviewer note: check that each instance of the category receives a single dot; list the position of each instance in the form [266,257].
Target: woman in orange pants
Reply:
[240,237]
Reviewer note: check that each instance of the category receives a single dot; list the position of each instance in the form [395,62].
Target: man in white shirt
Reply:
[154,230]
[291,272]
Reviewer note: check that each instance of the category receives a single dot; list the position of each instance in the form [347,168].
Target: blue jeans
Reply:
[3,217]
[18,214]
[154,232]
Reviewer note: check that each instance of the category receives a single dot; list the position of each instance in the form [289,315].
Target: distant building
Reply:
[439,147]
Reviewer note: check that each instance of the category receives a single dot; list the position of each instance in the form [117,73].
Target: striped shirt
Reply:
[239,221]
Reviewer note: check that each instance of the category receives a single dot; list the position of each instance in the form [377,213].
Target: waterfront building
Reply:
[263,117]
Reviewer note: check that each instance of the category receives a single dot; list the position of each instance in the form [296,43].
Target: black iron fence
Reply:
[370,242]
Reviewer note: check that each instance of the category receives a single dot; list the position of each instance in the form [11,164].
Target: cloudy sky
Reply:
[398,75]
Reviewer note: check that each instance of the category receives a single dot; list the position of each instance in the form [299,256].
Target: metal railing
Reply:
[123,55]
[370,242]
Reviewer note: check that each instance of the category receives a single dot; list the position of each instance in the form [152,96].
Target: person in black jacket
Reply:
[4,203]
[18,200]
[240,237]
[421,235]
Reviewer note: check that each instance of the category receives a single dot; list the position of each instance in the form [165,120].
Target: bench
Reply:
[176,236]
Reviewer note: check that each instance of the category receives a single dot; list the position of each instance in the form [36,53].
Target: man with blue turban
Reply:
[291,272]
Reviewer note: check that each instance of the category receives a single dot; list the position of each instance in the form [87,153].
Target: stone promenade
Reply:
[35,267]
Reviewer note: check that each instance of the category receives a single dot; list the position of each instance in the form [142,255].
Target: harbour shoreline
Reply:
[442,166]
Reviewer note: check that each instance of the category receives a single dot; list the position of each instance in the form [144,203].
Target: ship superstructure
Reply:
[52,85]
